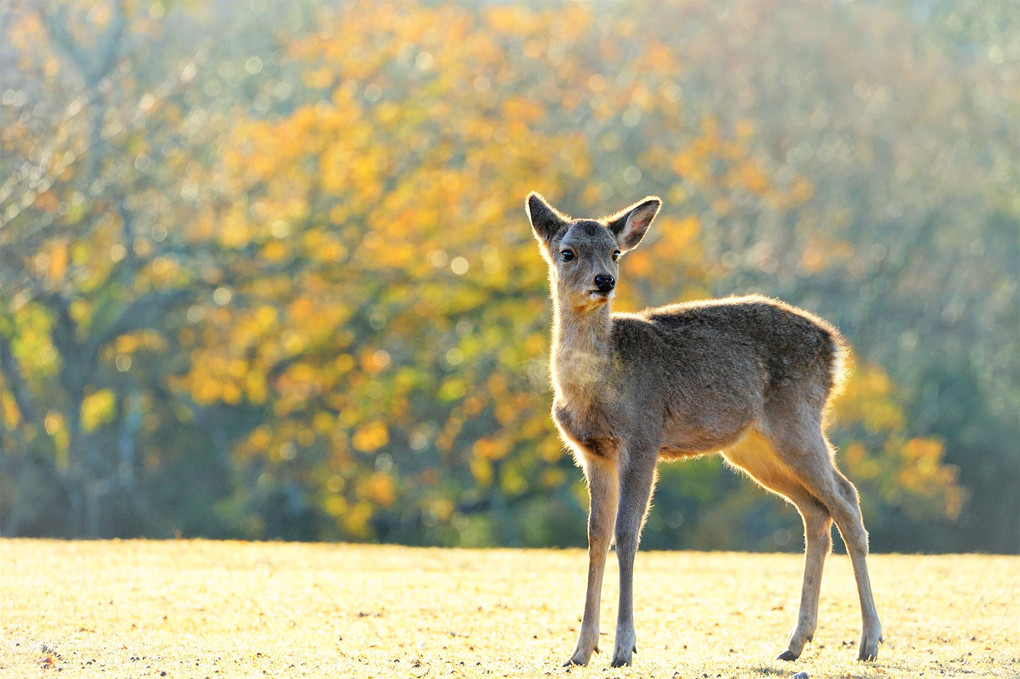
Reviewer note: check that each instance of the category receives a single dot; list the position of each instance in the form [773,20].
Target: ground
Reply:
[230,609]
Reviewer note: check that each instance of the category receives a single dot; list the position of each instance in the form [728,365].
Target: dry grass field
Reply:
[228,609]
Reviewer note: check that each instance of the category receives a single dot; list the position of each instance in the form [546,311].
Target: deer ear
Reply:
[545,219]
[629,225]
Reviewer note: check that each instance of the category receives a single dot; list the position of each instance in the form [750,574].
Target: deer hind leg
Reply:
[817,543]
[851,527]
[756,456]
[805,450]
[603,494]
[637,479]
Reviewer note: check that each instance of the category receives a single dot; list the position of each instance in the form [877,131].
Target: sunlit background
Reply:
[265,270]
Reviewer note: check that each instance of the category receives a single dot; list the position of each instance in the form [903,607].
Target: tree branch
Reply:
[12,375]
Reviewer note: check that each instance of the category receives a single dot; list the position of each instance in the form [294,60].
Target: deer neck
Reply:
[581,353]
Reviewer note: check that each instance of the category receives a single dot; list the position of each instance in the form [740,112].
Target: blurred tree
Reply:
[434,326]
[98,157]
[266,271]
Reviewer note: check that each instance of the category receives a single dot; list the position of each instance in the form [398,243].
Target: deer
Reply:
[749,378]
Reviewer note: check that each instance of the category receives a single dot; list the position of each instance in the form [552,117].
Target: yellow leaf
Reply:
[371,437]
[98,408]
[381,489]
[274,251]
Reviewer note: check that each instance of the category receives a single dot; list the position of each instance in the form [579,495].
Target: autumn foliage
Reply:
[275,280]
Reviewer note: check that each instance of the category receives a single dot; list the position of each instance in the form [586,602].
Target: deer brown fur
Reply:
[747,377]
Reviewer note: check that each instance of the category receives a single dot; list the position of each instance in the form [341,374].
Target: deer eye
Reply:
[567,255]
[616,255]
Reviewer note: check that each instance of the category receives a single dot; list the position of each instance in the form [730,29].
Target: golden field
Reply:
[231,609]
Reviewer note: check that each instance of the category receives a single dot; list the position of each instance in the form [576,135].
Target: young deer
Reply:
[746,377]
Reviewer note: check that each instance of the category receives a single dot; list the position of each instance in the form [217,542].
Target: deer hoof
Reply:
[868,646]
[624,659]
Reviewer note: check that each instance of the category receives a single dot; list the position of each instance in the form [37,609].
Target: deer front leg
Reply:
[602,491]
[635,491]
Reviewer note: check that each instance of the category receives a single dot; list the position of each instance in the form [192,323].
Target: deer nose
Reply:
[605,282]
